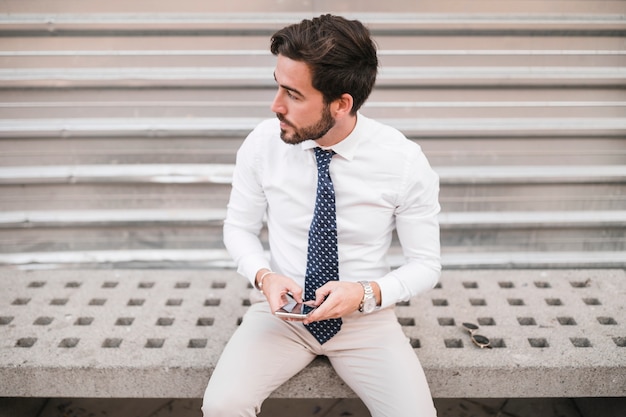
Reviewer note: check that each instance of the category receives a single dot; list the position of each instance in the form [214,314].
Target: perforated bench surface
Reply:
[159,333]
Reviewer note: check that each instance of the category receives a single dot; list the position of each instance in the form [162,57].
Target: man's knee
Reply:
[211,409]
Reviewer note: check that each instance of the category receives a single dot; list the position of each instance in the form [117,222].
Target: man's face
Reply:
[300,108]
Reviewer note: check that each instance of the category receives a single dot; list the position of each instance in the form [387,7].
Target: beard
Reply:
[313,132]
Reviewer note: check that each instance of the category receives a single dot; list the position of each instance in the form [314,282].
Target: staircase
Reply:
[119,123]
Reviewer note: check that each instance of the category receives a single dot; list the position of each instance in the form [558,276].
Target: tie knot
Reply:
[323,158]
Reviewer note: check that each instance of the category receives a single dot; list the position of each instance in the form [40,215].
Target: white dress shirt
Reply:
[382,181]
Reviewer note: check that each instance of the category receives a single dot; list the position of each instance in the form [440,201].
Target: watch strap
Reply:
[368,293]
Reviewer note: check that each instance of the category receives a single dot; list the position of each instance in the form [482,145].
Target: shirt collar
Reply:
[348,146]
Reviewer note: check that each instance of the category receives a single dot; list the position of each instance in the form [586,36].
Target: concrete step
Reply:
[256,45]
[531,197]
[128,185]
[461,197]
[214,104]
[463,151]
[201,229]
[524,150]
[240,126]
[261,76]
[227,58]
[454,198]
[136,173]
[189,259]
[215,217]
[222,174]
[205,186]
[195,99]
[319,6]
[573,17]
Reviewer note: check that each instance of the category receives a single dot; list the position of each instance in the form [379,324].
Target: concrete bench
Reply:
[159,333]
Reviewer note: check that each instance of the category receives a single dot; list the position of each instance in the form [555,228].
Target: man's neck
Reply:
[342,129]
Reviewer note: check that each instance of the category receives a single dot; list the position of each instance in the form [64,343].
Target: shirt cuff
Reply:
[251,264]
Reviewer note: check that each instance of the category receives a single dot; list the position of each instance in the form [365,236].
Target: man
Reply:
[332,186]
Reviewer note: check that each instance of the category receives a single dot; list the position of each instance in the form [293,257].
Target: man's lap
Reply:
[371,353]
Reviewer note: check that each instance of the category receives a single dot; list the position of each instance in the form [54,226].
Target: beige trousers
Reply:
[371,354]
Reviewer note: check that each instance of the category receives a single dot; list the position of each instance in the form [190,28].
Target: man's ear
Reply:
[342,106]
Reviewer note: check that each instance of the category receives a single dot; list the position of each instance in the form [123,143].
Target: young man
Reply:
[332,185]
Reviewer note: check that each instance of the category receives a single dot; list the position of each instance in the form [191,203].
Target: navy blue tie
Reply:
[322,257]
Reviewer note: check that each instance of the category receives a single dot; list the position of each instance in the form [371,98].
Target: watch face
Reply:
[369,305]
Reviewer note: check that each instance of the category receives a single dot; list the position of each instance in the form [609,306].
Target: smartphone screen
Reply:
[294,310]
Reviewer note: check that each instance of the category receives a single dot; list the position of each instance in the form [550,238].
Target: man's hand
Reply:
[276,287]
[336,299]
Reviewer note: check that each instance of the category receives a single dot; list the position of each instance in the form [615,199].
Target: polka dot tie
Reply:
[322,258]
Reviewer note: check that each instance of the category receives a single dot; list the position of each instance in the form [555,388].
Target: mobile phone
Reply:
[294,310]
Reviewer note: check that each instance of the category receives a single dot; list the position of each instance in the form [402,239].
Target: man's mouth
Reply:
[283,121]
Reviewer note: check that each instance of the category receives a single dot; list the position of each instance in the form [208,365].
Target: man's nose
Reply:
[277,105]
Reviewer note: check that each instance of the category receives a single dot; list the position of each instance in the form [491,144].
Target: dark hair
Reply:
[339,52]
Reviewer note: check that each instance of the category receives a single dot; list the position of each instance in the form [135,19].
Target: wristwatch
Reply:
[368,304]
